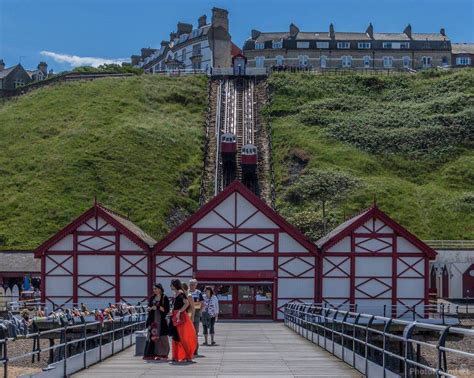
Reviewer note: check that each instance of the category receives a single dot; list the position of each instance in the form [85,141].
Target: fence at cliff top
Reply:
[385,347]
[451,244]
[81,343]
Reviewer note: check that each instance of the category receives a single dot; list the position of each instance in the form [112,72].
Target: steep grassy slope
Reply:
[135,142]
[405,139]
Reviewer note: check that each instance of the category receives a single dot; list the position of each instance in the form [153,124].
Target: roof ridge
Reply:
[102,206]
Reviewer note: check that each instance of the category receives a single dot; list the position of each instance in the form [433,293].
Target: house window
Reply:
[323,61]
[343,45]
[175,56]
[302,45]
[426,45]
[463,61]
[404,45]
[163,67]
[387,45]
[387,61]
[259,61]
[364,45]
[366,61]
[426,61]
[18,83]
[279,60]
[322,45]
[197,65]
[444,60]
[259,45]
[303,60]
[277,44]
[183,55]
[406,62]
[346,61]
[197,49]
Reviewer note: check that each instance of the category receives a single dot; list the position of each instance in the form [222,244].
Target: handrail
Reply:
[366,341]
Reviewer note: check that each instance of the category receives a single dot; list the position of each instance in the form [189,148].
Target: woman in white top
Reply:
[209,314]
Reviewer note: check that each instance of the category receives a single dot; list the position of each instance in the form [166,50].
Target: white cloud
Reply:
[77,61]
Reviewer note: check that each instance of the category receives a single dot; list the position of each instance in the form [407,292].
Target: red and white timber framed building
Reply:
[256,261]
[373,262]
[101,257]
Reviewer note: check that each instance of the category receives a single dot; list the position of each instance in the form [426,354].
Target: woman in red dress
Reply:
[181,327]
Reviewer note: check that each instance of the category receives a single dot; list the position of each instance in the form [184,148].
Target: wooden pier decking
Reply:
[263,349]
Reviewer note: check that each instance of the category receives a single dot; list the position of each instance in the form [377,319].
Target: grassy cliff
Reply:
[134,142]
[406,140]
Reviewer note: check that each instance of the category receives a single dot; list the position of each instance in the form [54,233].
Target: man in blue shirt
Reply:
[198,299]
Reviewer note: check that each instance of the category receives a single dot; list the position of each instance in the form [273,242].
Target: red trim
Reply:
[118,273]
[226,275]
[74,269]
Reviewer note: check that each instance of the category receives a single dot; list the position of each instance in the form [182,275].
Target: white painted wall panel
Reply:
[173,266]
[288,244]
[96,286]
[295,267]
[88,243]
[259,220]
[373,245]
[410,288]
[404,246]
[295,287]
[366,288]
[127,268]
[53,268]
[96,264]
[215,263]
[133,286]
[373,266]
[227,209]
[211,220]
[343,245]
[255,243]
[404,269]
[127,245]
[65,244]
[216,243]
[184,243]
[334,266]
[254,263]
[336,287]
[374,306]
[58,286]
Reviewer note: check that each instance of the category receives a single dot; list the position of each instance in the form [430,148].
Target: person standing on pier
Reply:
[157,346]
[197,301]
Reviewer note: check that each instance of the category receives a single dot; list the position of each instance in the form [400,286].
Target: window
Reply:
[277,44]
[259,61]
[279,60]
[197,49]
[323,61]
[346,61]
[259,45]
[364,45]
[303,60]
[444,61]
[406,62]
[463,61]
[343,45]
[426,45]
[175,56]
[18,83]
[302,45]
[404,45]
[366,61]
[388,61]
[183,55]
[387,45]
[426,61]
[197,65]
[195,33]
[322,45]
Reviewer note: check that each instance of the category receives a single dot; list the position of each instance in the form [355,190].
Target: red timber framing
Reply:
[236,237]
[98,258]
[373,262]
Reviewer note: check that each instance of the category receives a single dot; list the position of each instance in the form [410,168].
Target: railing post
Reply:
[367,327]
[113,337]
[100,331]
[84,347]
[386,329]
[5,358]
[407,334]
[354,329]
[442,361]
[65,350]
[332,328]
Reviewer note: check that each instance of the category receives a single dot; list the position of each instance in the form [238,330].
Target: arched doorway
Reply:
[445,283]
[468,282]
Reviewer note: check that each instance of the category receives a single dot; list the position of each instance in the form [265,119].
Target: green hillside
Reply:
[406,139]
[135,142]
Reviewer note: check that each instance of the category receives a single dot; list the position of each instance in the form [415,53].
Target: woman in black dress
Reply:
[157,346]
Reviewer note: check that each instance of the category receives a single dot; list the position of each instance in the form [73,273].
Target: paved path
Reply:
[244,349]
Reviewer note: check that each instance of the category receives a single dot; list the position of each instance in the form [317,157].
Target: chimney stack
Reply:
[442,31]
[332,33]
[370,30]
[2,65]
[202,21]
[183,28]
[43,67]
[164,43]
[220,18]
[255,34]
[407,31]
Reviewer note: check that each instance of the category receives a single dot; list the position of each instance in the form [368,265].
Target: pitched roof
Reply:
[462,48]
[351,224]
[120,222]
[4,73]
[19,261]
[237,187]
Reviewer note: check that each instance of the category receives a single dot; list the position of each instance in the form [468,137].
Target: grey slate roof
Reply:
[132,227]
[6,71]
[320,243]
[19,261]
[462,48]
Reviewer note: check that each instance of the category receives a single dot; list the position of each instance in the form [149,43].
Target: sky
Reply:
[70,33]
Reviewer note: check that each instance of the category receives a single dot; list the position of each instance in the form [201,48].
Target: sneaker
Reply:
[213,343]
[204,343]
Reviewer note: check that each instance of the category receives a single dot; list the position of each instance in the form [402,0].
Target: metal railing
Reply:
[450,244]
[381,346]
[80,344]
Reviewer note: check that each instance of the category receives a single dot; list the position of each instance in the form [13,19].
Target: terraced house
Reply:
[334,49]
[202,48]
